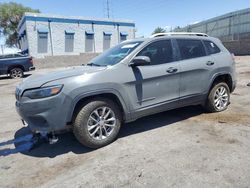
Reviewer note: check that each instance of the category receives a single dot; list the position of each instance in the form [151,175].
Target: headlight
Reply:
[43,92]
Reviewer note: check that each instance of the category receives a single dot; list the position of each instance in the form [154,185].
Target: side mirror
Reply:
[140,61]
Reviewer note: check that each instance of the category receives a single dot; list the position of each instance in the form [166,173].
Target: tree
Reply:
[177,28]
[10,15]
[159,30]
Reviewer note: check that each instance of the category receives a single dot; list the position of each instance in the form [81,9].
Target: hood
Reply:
[37,80]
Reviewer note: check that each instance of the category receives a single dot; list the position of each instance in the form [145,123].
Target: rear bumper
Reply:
[234,86]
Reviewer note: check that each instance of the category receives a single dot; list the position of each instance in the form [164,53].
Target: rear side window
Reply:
[211,47]
[190,48]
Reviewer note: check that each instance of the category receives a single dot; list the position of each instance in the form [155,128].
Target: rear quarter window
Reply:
[211,47]
[190,48]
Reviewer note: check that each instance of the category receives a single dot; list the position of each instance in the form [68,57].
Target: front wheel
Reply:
[98,123]
[218,98]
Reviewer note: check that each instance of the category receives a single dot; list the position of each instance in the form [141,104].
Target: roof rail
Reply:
[178,33]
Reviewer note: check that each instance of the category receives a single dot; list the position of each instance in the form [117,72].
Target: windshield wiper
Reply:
[93,64]
[97,65]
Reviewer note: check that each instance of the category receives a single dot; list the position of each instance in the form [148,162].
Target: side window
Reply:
[8,56]
[159,52]
[190,48]
[211,47]
[18,55]
[5,56]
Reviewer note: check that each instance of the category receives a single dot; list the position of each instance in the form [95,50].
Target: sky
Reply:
[147,14]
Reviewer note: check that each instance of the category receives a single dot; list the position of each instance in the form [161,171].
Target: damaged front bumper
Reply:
[44,115]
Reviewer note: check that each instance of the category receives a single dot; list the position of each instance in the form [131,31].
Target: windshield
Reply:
[115,54]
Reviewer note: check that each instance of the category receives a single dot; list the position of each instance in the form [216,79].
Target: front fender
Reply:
[125,106]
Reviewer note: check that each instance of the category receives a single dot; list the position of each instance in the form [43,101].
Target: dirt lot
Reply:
[179,148]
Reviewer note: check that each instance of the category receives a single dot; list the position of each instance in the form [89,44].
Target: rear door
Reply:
[196,68]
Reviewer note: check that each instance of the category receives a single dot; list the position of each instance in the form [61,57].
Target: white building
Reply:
[49,35]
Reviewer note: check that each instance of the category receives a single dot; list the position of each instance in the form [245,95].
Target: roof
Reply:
[172,37]
[179,34]
[73,19]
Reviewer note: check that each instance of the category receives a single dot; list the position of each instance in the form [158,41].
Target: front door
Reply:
[155,85]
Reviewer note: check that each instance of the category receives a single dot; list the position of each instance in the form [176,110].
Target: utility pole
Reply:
[51,40]
[108,9]
[2,49]
[1,33]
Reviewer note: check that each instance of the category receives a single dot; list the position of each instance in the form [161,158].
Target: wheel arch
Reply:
[222,77]
[15,66]
[80,101]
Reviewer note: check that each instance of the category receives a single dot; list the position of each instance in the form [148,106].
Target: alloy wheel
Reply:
[16,73]
[101,123]
[221,98]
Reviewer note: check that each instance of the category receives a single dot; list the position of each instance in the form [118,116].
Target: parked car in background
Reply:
[15,65]
[134,79]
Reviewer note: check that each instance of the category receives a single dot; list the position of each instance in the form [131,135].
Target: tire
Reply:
[16,73]
[83,124]
[215,103]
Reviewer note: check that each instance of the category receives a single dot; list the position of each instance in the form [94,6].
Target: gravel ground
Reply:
[179,148]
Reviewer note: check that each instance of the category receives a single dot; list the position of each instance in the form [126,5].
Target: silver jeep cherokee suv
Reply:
[133,79]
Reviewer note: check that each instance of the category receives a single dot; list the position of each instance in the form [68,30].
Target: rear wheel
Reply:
[218,98]
[16,73]
[98,123]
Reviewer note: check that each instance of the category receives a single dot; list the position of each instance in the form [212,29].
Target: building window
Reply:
[89,41]
[106,40]
[69,41]
[123,36]
[42,43]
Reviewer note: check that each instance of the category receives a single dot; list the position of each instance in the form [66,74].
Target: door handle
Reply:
[172,70]
[210,63]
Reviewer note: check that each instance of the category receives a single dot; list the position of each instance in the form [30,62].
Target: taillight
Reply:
[233,56]
[31,60]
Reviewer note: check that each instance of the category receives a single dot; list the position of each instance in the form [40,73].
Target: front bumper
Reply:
[44,115]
